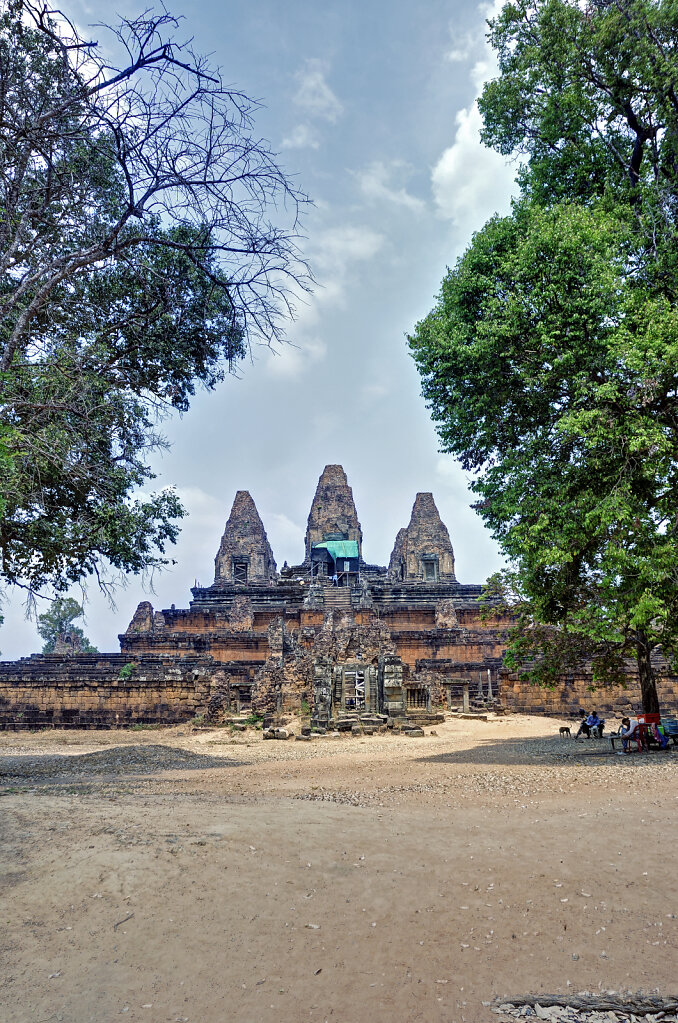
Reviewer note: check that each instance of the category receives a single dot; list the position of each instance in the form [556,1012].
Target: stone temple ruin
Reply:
[333,633]
[333,637]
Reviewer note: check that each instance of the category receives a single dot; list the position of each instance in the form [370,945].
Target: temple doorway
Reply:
[355,689]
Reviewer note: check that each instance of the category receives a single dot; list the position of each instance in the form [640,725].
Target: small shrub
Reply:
[254,719]
[126,671]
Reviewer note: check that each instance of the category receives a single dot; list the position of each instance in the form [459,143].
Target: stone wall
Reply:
[101,691]
[611,702]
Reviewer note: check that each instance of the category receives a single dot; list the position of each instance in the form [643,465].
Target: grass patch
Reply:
[254,720]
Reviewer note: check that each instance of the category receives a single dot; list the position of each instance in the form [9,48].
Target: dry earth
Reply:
[172,875]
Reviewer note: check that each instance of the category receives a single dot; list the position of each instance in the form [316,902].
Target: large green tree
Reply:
[56,625]
[588,93]
[137,261]
[549,361]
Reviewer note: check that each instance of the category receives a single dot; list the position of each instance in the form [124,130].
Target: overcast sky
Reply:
[371,106]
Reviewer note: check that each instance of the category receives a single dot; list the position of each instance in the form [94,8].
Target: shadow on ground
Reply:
[551,750]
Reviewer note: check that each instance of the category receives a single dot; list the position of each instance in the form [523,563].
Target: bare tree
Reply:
[148,237]
[176,142]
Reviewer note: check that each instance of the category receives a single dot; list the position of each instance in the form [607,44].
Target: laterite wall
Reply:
[100,691]
[565,700]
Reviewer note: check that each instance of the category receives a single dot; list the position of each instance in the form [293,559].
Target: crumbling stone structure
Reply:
[423,551]
[355,641]
[102,690]
[244,555]
[397,642]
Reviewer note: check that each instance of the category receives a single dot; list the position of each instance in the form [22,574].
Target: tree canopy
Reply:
[549,360]
[587,92]
[56,625]
[138,260]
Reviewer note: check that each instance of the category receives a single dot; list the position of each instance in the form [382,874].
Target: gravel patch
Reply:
[120,760]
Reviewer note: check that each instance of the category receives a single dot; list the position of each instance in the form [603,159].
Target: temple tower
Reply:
[423,551]
[333,516]
[244,555]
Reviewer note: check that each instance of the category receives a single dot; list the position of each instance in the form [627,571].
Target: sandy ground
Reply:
[172,875]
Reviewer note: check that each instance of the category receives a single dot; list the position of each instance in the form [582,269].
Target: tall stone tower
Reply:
[244,555]
[333,515]
[423,551]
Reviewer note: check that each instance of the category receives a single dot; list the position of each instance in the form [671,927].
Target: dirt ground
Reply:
[173,875]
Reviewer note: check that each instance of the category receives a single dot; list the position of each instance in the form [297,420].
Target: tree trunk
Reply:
[648,685]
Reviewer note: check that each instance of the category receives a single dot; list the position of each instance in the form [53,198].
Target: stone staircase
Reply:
[337,598]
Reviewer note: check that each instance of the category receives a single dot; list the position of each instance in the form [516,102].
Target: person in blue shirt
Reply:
[595,725]
[583,726]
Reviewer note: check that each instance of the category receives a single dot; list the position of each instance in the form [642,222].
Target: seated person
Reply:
[659,735]
[628,730]
[595,725]
[583,726]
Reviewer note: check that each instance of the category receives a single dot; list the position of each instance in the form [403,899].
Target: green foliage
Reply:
[57,623]
[254,719]
[126,671]
[587,94]
[550,360]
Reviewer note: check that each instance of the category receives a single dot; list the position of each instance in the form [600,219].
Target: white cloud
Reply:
[303,136]
[471,182]
[462,47]
[204,508]
[339,247]
[318,103]
[483,70]
[375,391]
[314,96]
[376,182]
[294,359]
[447,468]
[470,44]
[283,534]
[197,545]
[334,254]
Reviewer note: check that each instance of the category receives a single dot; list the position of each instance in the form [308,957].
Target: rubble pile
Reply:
[584,1007]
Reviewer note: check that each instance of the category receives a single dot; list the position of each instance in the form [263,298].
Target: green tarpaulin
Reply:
[339,548]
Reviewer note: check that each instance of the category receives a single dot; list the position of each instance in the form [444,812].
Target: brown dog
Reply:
[565,731]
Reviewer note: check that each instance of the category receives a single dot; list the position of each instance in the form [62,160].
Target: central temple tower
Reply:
[333,516]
